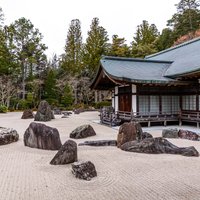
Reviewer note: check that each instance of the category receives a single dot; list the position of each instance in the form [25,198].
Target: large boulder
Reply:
[185,134]
[44,112]
[66,154]
[99,143]
[128,132]
[158,145]
[8,135]
[40,136]
[27,114]
[84,170]
[170,133]
[82,132]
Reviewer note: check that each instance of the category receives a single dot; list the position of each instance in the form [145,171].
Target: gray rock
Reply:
[145,135]
[170,133]
[8,135]
[27,114]
[82,132]
[158,145]
[84,170]
[66,154]
[44,112]
[40,136]
[128,132]
[185,134]
[65,116]
[57,111]
[99,143]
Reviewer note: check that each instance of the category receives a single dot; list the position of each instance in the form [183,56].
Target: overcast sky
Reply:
[120,17]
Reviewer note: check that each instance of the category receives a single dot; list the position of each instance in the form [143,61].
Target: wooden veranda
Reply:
[112,118]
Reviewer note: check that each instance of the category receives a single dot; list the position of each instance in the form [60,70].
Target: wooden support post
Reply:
[111,118]
[180,122]
[197,124]
[165,123]
[149,123]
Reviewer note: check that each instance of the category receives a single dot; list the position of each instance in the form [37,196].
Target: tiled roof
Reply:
[162,67]
[136,70]
[185,57]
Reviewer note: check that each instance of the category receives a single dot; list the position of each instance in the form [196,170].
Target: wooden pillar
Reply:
[95,96]
[197,102]
[100,97]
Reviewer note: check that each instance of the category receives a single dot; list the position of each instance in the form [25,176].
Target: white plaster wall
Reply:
[113,99]
[134,99]
[116,99]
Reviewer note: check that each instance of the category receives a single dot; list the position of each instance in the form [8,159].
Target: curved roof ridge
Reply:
[134,59]
[172,48]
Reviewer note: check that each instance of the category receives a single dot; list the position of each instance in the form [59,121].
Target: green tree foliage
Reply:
[165,40]
[67,96]
[187,18]
[118,47]
[25,44]
[6,59]
[95,47]
[1,18]
[145,40]
[72,59]
[50,86]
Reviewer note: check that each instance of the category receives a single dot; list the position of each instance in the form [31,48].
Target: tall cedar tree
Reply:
[145,40]
[118,47]
[5,57]
[166,39]
[25,44]
[95,47]
[187,18]
[72,62]
[50,86]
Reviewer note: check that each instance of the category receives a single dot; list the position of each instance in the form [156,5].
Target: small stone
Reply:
[27,114]
[8,135]
[66,154]
[82,132]
[99,143]
[170,133]
[185,134]
[44,112]
[84,170]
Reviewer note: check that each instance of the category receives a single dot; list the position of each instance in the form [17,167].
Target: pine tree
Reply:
[187,18]
[118,47]
[145,40]
[25,44]
[166,39]
[50,86]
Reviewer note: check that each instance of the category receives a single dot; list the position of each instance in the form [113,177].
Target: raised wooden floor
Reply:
[116,118]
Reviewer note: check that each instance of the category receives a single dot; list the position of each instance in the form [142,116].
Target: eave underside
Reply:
[106,82]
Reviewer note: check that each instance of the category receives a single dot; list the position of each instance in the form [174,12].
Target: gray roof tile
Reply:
[185,57]
[135,70]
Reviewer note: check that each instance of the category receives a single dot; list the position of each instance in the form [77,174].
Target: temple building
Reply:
[161,87]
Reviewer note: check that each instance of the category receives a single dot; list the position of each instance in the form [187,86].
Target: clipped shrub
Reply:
[23,104]
[101,104]
[3,109]
[52,102]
